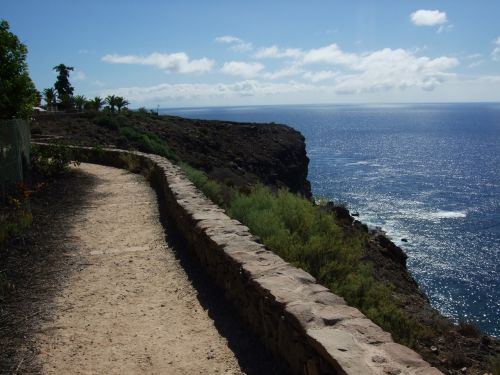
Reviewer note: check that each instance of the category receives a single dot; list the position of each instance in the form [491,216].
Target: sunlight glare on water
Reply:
[427,173]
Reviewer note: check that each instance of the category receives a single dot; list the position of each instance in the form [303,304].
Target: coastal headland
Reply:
[243,155]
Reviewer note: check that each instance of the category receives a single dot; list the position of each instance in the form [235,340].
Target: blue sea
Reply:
[428,173]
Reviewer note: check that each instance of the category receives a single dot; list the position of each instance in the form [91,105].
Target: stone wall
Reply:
[312,329]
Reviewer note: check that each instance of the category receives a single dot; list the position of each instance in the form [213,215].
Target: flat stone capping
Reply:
[312,329]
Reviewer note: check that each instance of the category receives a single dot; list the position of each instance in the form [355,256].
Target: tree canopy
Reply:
[62,85]
[96,103]
[17,91]
[49,95]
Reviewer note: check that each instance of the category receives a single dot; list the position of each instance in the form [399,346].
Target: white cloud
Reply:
[228,39]
[288,71]
[321,75]
[381,70]
[473,56]
[492,79]
[331,54]
[476,58]
[388,69]
[196,91]
[424,17]
[78,75]
[445,28]
[275,52]
[175,62]
[237,44]
[242,47]
[255,69]
[328,69]
[495,54]
[475,64]
[243,69]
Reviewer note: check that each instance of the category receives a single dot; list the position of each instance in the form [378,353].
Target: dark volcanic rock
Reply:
[238,154]
[340,212]
[390,250]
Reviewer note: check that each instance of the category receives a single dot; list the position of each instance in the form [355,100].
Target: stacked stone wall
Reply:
[302,322]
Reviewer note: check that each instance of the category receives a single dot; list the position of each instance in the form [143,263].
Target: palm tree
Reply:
[79,101]
[96,103]
[49,95]
[120,103]
[111,101]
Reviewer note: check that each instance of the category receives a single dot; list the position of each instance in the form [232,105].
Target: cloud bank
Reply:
[175,62]
[237,44]
[348,72]
[275,52]
[243,69]
[190,91]
[325,70]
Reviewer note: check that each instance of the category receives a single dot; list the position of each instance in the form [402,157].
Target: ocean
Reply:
[427,174]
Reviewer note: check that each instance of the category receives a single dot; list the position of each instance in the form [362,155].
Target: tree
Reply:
[17,91]
[96,103]
[120,103]
[67,102]
[111,101]
[49,95]
[79,101]
[38,95]
[62,85]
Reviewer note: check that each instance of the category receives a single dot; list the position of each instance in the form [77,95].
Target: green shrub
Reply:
[308,237]
[495,364]
[210,188]
[130,133]
[52,160]
[15,212]
[197,177]
[107,121]
[148,142]
[14,221]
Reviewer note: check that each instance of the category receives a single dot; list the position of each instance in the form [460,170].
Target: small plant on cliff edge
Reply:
[309,238]
[52,160]
[15,212]
[210,188]
[495,364]
[148,142]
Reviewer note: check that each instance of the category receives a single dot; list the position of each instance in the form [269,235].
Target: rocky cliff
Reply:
[236,154]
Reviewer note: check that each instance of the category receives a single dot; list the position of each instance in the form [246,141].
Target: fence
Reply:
[14,153]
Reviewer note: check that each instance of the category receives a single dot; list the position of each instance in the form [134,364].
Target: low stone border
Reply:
[301,321]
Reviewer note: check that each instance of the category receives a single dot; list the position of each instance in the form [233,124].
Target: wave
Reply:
[440,214]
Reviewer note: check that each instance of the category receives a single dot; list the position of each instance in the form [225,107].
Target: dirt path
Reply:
[129,307]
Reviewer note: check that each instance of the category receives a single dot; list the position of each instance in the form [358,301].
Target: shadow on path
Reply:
[250,352]
[36,268]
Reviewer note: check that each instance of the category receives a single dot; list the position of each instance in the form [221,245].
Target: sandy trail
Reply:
[129,307]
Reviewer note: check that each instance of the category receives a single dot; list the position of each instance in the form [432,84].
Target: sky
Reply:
[220,53]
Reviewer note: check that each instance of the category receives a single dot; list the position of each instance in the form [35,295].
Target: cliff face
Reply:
[241,153]
[445,345]
[237,154]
